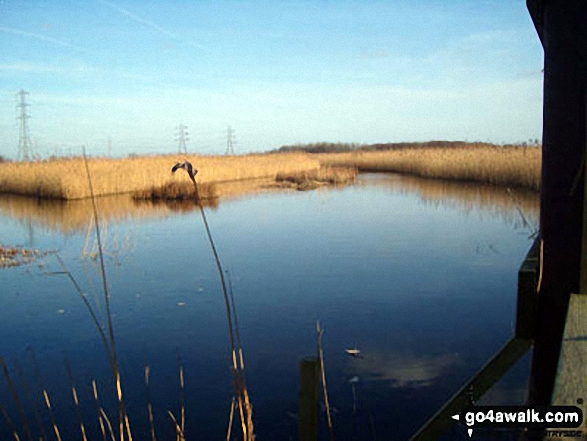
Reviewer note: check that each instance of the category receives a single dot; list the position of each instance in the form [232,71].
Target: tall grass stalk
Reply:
[178,431]
[76,400]
[41,386]
[320,333]
[29,397]
[149,404]
[16,399]
[123,416]
[230,418]
[52,413]
[182,393]
[243,401]
[84,299]
[9,423]
[109,424]
[239,346]
[98,409]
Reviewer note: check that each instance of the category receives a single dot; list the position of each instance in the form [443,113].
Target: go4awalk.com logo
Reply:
[559,417]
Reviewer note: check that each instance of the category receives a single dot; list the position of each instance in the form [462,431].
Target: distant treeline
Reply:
[321,147]
[338,147]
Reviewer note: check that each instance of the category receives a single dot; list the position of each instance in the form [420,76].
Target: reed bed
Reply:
[66,178]
[502,166]
[309,180]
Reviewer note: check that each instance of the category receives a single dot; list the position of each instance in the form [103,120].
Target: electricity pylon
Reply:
[182,139]
[24,138]
[229,141]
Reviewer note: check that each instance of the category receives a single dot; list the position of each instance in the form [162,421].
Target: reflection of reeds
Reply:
[72,216]
[511,166]
[466,197]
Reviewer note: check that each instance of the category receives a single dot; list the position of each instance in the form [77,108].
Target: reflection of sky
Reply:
[409,284]
[403,370]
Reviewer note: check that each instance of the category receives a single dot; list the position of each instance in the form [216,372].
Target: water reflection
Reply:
[514,206]
[403,370]
[74,216]
[384,265]
[510,205]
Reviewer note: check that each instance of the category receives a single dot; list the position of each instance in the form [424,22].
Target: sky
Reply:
[120,77]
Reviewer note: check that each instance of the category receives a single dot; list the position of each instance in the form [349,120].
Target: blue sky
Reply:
[277,72]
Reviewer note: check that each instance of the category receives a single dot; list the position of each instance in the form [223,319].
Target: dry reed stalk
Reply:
[525,222]
[76,400]
[182,393]
[123,416]
[179,432]
[41,386]
[52,414]
[98,409]
[16,399]
[86,303]
[240,392]
[320,332]
[149,405]
[110,429]
[30,398]
[248,405]
[9,423]
[230,418]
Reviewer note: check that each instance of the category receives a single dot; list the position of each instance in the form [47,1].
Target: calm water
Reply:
[419,275]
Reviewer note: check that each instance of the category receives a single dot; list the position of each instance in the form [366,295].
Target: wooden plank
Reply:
[493,370]
[571,380]
[309,399]
[527,292]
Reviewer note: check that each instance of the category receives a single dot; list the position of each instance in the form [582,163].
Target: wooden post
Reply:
[562,27]
[527,285]
[309,399]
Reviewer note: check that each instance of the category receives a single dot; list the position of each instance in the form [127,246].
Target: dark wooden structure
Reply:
[552,287]
[562,28]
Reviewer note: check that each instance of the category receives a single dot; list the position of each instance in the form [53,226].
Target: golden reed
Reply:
[502,166]
[66,178]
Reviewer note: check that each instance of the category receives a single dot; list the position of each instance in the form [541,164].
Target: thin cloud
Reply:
[39,37]
[152,25]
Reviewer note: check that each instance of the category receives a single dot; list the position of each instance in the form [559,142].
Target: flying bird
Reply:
[187,166]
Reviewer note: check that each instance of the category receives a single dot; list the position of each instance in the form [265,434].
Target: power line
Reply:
[229,141]
[25,148]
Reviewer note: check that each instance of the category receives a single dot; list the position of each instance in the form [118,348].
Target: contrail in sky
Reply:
[152,25]
[39,37]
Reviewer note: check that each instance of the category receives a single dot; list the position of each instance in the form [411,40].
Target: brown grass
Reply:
[66,178]
[511,166]
[309,180]
[176,191]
